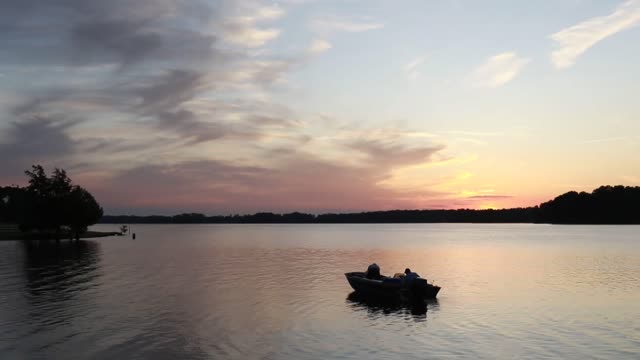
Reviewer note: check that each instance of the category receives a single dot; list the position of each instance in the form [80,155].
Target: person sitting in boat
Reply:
[404,274]
[409,276]
[373,271]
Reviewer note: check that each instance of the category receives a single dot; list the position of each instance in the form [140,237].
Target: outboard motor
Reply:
[373,271]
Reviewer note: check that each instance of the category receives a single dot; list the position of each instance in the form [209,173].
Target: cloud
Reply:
[489,197]
[297,176]
[393,154]
[331,24]
[498,70]
[249,36]
[178,41]
[128,42]
[169,90]
[413,64]
[243,28]
[170,101]
[85,33]
[319,46]
[610,139]
[299,181]
[38,139]
[412,67]
[575,40]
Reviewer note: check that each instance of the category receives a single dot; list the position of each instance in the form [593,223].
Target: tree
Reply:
[82,210]
[7,203]
[605,205]
[53,203]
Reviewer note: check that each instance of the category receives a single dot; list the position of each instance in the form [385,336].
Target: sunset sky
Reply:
[160,106]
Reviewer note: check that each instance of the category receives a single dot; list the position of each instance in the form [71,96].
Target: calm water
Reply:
[278,292]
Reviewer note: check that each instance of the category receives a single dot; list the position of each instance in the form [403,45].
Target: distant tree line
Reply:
[49,205]
[605,205]
[517,215]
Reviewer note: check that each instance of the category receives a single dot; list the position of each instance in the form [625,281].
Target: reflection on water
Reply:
[391,306]
[48,294]
[55,272]
[278,292]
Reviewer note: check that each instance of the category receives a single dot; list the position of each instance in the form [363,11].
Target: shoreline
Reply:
[366,223]
[19,236]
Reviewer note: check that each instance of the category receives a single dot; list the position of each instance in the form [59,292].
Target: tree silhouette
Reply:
[53,204]
[83,210]
[605,205]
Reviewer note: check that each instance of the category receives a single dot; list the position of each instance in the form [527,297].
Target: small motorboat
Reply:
[391,286]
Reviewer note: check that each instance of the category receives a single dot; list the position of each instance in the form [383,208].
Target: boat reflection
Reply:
[391,306]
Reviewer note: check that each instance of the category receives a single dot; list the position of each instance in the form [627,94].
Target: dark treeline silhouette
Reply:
[518,215]
[605,205]
[50,205]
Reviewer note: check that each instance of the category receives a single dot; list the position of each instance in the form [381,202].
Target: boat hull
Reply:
[389,287]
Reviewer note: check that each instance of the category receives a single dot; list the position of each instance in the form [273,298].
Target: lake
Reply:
[279,292]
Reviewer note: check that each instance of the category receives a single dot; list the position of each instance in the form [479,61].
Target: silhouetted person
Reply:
[134,236]
[409,276]
[373,272]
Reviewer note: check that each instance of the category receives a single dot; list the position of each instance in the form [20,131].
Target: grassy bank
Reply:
[12,232]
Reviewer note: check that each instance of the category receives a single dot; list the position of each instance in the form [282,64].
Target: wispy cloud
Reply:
[412,67]
[611,139]
[244,29]
[250,36]
[39,137]
[319,46]
[489,197]
[575,40]
[293,178]
[473,133]
[498,70]
[330,24]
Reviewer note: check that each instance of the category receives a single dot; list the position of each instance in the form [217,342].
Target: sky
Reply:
[241,106]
